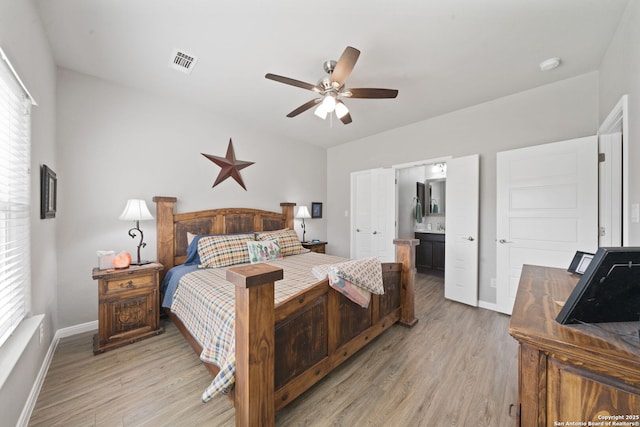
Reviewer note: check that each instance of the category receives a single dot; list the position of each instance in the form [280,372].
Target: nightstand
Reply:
[128,305]
[315,246]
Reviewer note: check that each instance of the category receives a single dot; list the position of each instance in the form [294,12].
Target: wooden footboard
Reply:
[293,346]
[281,351]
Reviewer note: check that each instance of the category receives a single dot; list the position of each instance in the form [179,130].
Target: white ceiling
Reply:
[442,55]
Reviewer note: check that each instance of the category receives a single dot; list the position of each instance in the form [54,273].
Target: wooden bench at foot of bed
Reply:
[282,351]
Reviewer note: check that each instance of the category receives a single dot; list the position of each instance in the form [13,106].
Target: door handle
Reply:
[503,241]
[357,230]
[375,232]
[471,239]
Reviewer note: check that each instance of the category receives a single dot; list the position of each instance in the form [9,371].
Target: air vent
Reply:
[182,61]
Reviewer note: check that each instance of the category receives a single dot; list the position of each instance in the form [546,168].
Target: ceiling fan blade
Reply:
[304,107]
[345,65]
[370,93]
[292,82]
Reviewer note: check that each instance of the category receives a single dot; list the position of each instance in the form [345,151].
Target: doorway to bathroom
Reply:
[437,201]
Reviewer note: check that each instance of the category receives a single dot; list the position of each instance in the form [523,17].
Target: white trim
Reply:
[27,410]
[15,74]
[616,121]
[422,162]
[77,329]
[12,349]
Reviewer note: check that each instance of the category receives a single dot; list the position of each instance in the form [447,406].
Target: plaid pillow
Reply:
[288,240]
[222,251]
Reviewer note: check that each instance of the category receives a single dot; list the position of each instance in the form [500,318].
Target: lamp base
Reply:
[140,262]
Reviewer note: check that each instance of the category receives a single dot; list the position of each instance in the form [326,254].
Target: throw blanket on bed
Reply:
[355,279]
[205,302]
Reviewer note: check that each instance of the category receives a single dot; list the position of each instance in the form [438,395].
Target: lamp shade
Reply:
[303,212]
[136,210]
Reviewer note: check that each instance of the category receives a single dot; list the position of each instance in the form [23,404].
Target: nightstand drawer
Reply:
[128,283]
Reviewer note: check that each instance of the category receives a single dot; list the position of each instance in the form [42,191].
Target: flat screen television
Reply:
[608,291]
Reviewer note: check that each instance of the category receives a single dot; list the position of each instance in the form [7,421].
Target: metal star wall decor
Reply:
[230,166]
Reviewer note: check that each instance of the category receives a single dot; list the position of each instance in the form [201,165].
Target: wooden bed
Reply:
[281,351]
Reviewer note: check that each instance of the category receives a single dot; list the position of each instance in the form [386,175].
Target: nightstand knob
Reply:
[130,284]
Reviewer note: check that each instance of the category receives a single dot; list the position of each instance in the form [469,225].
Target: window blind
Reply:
[15,142]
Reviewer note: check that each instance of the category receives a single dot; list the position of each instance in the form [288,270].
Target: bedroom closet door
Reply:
[373,214]
[547,209]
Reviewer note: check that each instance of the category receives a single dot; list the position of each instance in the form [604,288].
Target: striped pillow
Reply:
[288,240]
[225,250]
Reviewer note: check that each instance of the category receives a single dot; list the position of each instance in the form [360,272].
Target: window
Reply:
[15,153]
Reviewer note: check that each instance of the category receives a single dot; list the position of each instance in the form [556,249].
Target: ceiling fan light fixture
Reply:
[341,110]
[321,111]
[329,103]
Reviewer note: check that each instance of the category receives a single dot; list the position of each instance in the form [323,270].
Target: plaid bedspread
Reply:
[205,302]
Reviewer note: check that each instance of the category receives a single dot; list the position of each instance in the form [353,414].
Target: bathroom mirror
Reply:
[437,196]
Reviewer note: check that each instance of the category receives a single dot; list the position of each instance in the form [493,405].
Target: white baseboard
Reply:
[27,410]
[77,329]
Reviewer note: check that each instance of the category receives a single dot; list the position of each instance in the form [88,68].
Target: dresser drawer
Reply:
[128,283]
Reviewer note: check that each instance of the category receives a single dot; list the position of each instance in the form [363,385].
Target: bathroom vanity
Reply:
[430,252]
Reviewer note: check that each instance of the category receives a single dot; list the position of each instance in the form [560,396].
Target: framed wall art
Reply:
[48,192]
[316,210]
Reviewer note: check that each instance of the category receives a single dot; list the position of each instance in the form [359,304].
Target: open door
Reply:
[547,209]
[610,189]
[461,241]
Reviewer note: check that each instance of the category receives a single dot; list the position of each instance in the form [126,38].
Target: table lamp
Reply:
[303,213]
[136,210]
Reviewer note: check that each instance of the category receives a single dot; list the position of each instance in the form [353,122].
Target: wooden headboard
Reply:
[172,228]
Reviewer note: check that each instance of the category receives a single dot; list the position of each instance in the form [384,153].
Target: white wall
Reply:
[563,110]
[23,40]
[619,75]
[116,143]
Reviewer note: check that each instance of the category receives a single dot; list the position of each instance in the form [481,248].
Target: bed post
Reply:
[287,211]
[255,343]
[406,255]
[164,226]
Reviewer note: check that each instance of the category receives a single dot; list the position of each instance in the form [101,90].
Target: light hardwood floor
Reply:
[456,367]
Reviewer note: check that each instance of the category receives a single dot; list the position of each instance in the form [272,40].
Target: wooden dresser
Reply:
[571,373]
[128,305]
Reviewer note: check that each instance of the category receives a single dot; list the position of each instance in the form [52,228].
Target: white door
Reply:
[547,209]
[610,189]
[361,212]
[461,239]
[373,209]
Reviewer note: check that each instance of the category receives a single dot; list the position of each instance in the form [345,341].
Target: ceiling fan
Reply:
[332,87]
